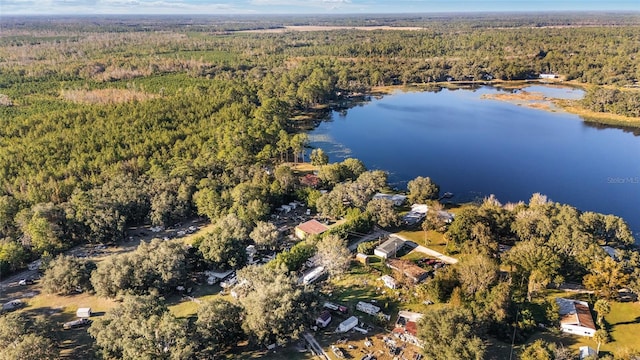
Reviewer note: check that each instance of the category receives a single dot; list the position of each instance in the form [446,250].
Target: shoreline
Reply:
[545,103]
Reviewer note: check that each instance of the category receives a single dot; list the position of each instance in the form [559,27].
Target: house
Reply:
[396,199]
[311,227]
[408,269]
[389,281]
[323,319]
[389,248]
[416,215]
[310,180]
[610,251]
[83,312]
[575,317]
[407,327]
[586,351]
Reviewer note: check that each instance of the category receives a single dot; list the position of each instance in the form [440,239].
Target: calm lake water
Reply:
[474,147]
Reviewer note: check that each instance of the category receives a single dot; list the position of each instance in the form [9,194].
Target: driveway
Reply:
[430,252]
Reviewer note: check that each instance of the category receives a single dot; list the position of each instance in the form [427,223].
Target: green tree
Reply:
[477,273]
[67,274]
[319,157]
[26,338]
[422,189]
[265,234]
[13,256]
[225,246]
[601,337]
[219,325]
[383,212]
[333,254]
[210,204]
[450,334]
[276,309]
[602,307]
[156,266]
[142,328]
[538,350]
[606,278]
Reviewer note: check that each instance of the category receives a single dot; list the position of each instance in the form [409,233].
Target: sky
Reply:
[224,7]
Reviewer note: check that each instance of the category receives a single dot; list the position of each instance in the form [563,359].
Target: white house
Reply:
[389,281]
[575,317]
[324,319]
[397,199]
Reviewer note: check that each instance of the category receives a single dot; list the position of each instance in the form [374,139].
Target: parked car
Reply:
[25,282]
[76,324]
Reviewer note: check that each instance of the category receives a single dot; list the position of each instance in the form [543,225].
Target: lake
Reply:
[474,146]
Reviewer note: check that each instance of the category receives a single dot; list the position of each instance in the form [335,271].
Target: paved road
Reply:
[315,347]
[430,252]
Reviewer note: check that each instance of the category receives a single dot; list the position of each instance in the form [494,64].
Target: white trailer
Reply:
[367,308]
[347,325]
[83,312]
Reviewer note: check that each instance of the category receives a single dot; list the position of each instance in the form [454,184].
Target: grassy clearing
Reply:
[435,240]
[597,117]
[623,324]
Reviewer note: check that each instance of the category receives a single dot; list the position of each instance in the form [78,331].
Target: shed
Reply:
[586,351]
[324,319]
[311,227]
[389,248]
[389,281]
[83,312]
[362,258]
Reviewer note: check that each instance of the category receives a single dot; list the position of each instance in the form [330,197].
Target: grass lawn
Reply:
[436,240]
[623,323]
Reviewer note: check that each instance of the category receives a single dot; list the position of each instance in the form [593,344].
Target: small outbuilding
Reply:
[324,319]
[362,258]
[311,227]
[586,351]
[84,312]
[389,281]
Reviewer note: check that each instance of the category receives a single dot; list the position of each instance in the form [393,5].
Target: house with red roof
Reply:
[575,317]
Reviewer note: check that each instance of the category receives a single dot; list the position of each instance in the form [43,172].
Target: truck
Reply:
[76,324]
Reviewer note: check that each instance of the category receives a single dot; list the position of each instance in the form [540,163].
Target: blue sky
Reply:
[222,7]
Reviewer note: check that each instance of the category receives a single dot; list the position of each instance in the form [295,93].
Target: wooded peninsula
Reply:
[113,126]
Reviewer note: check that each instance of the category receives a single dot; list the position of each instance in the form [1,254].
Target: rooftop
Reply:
[408,268]
[312,227]
[574,312]
[391,245]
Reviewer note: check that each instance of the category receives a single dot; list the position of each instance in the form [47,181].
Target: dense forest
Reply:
[107,124]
